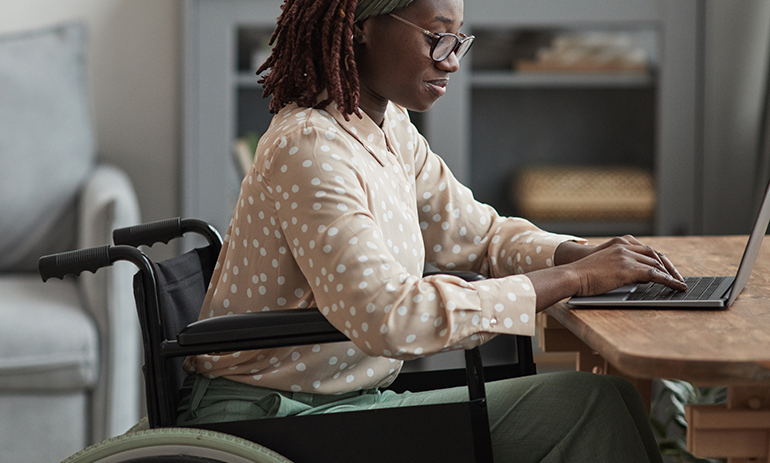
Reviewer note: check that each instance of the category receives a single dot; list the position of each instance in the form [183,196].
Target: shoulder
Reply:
[298,133]
[294,122]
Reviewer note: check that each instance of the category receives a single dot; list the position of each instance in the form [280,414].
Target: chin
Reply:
[420,108]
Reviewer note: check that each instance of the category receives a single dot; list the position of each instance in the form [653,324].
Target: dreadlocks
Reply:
[313,52]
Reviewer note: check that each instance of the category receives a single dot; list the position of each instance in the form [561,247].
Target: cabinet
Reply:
[491,120]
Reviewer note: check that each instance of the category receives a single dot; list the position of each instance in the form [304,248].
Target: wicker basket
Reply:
[584,193]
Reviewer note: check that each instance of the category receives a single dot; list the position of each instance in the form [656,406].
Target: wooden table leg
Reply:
[739,430]
[555,337]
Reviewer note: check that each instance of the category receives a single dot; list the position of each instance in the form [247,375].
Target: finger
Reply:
[616,240]
[655,275]
[657,272]
[670,266]
[665,264]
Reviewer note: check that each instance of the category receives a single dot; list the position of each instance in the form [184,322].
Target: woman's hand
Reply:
[570,251]
[589,270]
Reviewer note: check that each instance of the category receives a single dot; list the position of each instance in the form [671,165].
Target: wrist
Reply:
[571,251]
[554,284]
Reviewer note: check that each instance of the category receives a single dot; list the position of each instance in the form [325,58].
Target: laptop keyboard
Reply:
[698,288]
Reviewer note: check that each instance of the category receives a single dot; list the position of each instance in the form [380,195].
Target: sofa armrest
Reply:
[108,201]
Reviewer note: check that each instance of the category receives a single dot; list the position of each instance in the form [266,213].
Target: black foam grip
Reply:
[74,262]
[149,233]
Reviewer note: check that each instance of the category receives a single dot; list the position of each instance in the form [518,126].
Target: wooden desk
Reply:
[725,347]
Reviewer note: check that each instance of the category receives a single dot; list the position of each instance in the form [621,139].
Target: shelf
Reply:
[494,119]
[503,79]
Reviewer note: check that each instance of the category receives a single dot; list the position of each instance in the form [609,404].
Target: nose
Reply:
[450,64]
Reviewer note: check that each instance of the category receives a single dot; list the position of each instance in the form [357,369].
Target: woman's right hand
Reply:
[622,261]
[608,266]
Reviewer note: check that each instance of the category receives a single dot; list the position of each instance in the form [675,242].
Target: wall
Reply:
[736,64]
[133,72]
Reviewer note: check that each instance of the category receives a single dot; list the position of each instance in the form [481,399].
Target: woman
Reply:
[343,206]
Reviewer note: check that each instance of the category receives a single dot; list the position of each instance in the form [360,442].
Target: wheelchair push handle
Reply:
[164,231]
[74,262]
[149,233]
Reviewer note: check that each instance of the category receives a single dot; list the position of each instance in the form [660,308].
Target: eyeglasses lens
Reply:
[446,44]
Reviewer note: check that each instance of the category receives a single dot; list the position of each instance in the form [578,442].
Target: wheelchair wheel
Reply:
[176,445]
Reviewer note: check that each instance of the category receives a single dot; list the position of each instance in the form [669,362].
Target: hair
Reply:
[313,52]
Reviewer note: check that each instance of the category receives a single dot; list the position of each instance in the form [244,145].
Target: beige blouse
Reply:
[342,215]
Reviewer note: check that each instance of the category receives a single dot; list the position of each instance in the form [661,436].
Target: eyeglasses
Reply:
[444,43]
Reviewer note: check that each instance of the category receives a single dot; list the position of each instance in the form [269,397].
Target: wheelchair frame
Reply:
[280,328]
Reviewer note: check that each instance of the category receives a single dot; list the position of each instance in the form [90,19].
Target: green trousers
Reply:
[556,417]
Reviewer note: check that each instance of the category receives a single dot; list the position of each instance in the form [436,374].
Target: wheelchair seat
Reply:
[169,295]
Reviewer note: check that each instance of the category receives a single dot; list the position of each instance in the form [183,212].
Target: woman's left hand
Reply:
[570,251]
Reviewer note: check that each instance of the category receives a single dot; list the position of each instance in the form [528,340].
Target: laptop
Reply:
[702,292]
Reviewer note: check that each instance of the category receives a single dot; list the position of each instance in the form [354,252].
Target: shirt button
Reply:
[493,321]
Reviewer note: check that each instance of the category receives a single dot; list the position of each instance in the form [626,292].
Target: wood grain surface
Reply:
[729,346]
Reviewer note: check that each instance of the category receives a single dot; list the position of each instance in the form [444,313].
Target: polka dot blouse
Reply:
[342,215]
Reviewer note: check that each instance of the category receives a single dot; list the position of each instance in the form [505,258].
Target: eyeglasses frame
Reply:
[436,36]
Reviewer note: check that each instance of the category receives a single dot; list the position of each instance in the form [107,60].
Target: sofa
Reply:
[69,349]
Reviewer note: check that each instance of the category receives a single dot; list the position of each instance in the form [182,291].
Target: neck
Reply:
[373,105]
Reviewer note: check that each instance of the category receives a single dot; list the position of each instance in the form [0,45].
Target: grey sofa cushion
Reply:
[47,341]
[46,142]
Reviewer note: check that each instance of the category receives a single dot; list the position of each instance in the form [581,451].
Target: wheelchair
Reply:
[169,295]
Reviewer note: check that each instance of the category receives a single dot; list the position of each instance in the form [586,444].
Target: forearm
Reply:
[570,251]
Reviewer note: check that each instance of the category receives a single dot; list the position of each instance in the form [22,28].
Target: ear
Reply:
[360,31]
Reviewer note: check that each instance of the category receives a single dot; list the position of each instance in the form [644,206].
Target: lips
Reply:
[438,86]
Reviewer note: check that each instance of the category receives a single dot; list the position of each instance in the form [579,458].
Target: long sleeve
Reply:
[332,216]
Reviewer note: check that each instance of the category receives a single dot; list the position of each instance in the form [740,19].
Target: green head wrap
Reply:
[367,8]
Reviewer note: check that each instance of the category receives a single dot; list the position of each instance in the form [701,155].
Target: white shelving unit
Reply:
[490,122]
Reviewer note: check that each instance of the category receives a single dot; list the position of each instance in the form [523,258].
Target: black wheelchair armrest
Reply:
[259,330]
[261,325]
[464,274]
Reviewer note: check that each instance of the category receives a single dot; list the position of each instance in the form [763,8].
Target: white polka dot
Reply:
[508,322]
[499,307]
[524,318]
[410,338]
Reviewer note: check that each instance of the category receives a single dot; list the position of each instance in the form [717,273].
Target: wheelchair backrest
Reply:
[182,282]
